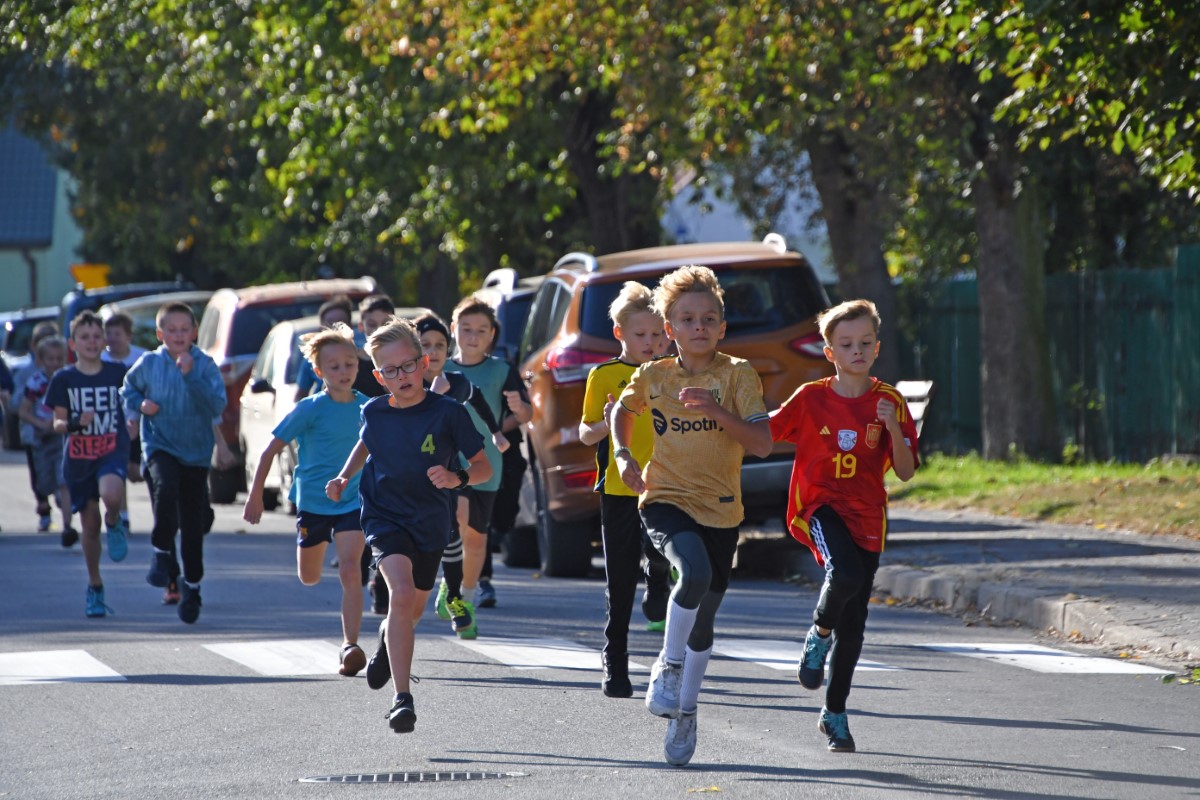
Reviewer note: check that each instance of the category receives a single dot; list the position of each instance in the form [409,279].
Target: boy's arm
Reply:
[25,414]
[754,435]
[479,470]
[903,462]
[621,430]
[592,430]
[517,400]
[208,384]
[253,510]
[596,432]
[358,457]
[131,391]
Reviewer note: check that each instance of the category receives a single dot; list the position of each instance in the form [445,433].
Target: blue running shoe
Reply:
[118,541]
[837,728]
[96,607]
[160,569]
[811,669]
[485,594]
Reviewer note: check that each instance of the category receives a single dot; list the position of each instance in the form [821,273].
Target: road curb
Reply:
[1042,609]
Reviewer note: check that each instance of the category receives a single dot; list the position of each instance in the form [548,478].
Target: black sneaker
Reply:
[160,570]
[837,730]
[403,717]
[189,603]
[69,536]
[379,671]
[615,682]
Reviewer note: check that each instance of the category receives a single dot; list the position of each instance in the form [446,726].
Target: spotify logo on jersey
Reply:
[660,422]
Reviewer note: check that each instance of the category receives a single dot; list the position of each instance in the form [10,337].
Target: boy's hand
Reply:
[333,489]
[886,411]
[253,510]
[608,407]
[501,441]
[225,457]
[184,362]
[698,399]
[442,478]
[631,472]
[132,428]
[148,407]
[514,400]
[440,385]
[86,418]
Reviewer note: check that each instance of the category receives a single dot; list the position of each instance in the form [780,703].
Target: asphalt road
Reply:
[202,711]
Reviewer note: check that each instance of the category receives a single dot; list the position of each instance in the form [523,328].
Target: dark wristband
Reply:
[463,477]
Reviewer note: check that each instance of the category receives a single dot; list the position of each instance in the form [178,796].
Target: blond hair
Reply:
[337,334]
[633,299]
[396,329]
[828,319]
[692,278]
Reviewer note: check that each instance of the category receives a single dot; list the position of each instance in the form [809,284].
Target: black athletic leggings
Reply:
[844,601]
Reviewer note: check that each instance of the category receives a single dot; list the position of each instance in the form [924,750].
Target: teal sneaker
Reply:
[440,605]
[811,669]
[118,541]
[837,728]
[96,607]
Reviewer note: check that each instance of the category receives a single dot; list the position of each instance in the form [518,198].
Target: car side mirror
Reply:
[261,385]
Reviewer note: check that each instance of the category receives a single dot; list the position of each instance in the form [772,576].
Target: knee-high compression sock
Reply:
[679,627]
[695,664]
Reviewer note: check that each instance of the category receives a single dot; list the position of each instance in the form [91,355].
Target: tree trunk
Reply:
[1017,411]
[622,210]
[852,205]
[437,286]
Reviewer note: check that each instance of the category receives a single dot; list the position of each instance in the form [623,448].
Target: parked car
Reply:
[772,297]
[512,297]
[235,325]
[16,327]
[143,310]
[81,299]
[270,395]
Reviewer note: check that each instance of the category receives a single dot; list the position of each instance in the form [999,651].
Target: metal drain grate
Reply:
[412,777]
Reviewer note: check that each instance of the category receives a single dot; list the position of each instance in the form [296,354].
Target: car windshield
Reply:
[252,324]
[757,299]
[512,314]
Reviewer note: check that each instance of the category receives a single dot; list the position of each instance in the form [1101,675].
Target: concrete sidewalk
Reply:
[1125,591]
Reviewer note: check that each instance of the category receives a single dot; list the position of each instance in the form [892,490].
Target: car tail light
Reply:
[571,365]
[811,345]
[579,480]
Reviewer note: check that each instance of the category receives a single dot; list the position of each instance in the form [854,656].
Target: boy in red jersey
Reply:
[848,430]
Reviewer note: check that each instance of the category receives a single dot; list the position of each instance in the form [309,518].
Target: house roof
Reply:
[28,184]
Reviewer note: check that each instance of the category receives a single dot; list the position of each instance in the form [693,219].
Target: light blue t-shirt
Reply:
[326,432]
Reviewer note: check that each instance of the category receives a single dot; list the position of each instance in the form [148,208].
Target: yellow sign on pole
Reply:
[92,276]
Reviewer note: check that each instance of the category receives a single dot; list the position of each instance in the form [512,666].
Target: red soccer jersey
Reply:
[843,451]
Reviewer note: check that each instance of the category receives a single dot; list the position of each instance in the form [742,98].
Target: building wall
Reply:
[54,277]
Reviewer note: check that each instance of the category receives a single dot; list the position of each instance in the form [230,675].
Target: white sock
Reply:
[694,667]
[679,627]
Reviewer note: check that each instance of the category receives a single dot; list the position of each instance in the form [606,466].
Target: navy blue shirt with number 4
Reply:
[404,443]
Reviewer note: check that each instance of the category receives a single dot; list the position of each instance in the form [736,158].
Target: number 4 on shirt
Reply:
[427,445]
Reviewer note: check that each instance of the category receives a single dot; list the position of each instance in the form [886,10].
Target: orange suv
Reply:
[772,297]
[234,326]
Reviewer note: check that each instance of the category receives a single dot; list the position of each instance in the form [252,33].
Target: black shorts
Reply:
[663,520]
[313,529]
[479,507]
[424,564]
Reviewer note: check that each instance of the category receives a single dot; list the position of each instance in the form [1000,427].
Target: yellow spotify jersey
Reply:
[696,465]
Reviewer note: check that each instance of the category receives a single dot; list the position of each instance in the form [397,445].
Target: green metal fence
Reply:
[1124,352]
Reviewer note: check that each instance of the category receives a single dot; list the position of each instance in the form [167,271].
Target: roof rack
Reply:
[587,259]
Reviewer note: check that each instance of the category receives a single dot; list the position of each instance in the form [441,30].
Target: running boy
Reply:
[848,430]
[87,410]
[708,411]
[408,453]
[639,329]
[475,329]
[178,390]
[45,445]
[120,349]
[326,427]
[450,604]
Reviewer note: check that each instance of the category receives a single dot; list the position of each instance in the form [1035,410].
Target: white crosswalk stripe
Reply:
[280,658]
[779,654]
[537,653]
[53,666]
[1044,659]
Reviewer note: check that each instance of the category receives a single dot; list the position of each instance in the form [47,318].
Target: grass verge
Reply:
[1159,497]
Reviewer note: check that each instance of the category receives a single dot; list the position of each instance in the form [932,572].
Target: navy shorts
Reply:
[400,542]
[85,486]
[314,529]
[663,520]
[479,507]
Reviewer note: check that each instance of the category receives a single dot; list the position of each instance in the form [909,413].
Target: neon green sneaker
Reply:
[463,619]
[440,605]
[657,626]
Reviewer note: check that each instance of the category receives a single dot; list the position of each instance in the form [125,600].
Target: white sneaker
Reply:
[680,743]
[662,695]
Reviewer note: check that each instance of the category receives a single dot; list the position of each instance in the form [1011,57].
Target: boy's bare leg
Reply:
[349,547]
[64,505]
[309,563]
[89,540]
[405,605]
[112,494]
[474,545]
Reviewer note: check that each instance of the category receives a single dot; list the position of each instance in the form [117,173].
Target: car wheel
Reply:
[565,548]
[520,548]
[223,485]
[270,499]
